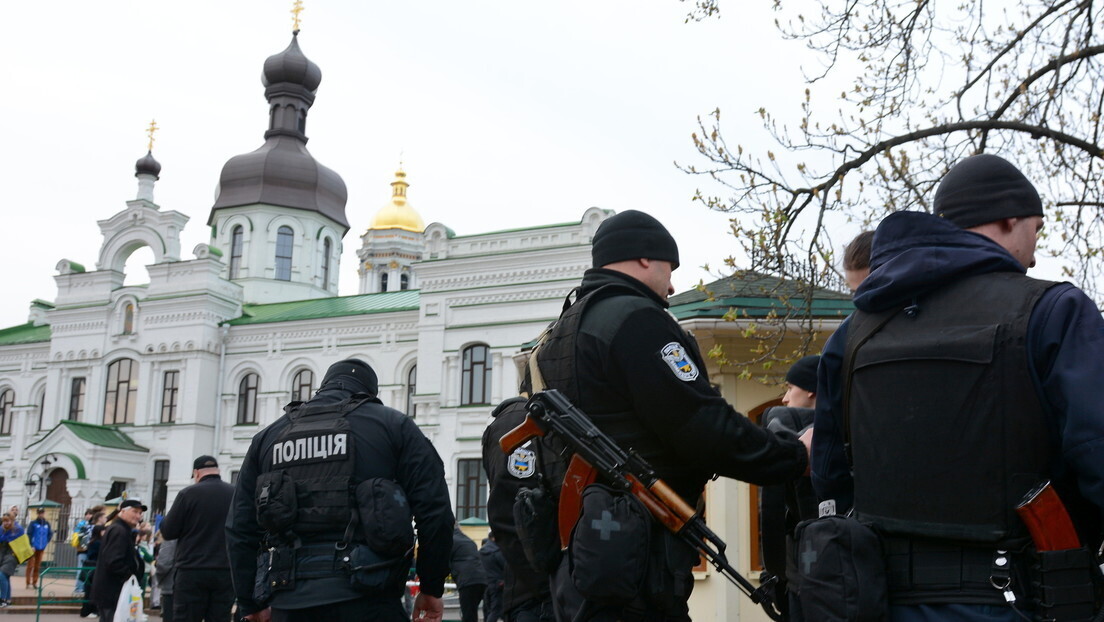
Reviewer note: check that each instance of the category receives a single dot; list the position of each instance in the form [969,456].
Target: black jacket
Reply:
[117,562]
[464,561]
[198,520]
[642,380]
[388,444]
[494,564]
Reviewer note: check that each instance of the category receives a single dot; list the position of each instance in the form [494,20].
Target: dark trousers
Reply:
[389,610]
[202,594]
[532,611]
[166,606]
[492,603]
[107,615]
[470,597]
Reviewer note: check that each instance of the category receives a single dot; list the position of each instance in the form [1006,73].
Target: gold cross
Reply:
[149,132]
[296,9]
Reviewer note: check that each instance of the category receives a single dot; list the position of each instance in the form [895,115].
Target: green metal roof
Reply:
[24,333]
[101,435]
[753,295]
[363,304]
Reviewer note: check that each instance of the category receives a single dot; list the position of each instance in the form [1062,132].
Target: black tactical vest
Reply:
[307,479]
[947,432]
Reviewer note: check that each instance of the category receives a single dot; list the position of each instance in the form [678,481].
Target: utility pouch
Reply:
[535,517]
[670,576]
[374,575]
[841,570]
[1063,585]
[277,505]
[385,517]
[275,572]
[610,544]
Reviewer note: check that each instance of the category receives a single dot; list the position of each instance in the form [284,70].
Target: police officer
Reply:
[968,383]
[325,496]
[623,359]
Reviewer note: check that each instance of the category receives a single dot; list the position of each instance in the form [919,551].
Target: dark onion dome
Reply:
[292,66]
[282,172]
[146,165]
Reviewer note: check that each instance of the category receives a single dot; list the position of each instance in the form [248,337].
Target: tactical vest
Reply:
[947,432]
[305,489]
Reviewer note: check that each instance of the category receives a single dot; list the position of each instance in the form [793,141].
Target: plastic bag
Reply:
[129,606]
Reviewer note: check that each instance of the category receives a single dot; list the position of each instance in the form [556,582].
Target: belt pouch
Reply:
[1063,585]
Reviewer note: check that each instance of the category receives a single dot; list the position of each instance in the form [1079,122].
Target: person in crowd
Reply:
[165,571]
[856,260]
[39,532]
[117,559]
[9,531]
[467,573]
[494,565]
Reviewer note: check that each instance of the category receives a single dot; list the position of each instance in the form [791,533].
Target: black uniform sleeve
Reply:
[172,526]
[676,401]
[421,474]
[243,534]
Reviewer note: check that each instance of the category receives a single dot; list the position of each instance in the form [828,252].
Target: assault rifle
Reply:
[550,411]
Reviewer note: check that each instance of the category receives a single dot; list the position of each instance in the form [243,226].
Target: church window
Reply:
[475,378]
[471,489]
[327,250]
[404,281]
[236,243]
[76,398]
[128,319]
[169,396]
[41,409]
[302,385]
[160,486]
[247,399]
[411,390]
[284,238]
[121,399]
[7,401]
[383,282]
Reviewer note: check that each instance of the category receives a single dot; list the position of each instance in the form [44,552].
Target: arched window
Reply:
[404,281]
[120,401]
[128,319]
[327,249]
[236,243]
[7,400]
[383,281]
[41,409]
[302,385]
[284,238]
[247,399]
[475,378]
[411,389]
[76,399]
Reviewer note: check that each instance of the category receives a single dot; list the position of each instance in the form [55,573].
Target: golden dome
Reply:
[398,214]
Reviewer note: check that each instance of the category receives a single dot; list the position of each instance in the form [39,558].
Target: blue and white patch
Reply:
[522,463]
[679,362]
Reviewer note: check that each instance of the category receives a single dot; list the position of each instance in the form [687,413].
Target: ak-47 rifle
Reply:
[550,411]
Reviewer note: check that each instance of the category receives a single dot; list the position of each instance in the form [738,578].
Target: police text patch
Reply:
[308,449]
[679,362]
[522,463]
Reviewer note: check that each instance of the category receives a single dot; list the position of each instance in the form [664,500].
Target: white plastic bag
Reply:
[129,607]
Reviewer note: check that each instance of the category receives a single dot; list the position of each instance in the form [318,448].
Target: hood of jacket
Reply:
[915,252]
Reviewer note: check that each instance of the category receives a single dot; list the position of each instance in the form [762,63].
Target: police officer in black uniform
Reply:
[624,360]
[325,498]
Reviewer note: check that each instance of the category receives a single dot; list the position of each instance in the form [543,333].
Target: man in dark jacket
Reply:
[202,589]
[467,573]
[968,383]
[325,542]
[621,358]
[118,559]
[494,564]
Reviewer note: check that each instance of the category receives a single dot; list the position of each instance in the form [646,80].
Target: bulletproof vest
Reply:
[947,432]
[307,480]
[558,366]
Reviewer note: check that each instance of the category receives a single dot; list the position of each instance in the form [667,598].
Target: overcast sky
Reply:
[506,113]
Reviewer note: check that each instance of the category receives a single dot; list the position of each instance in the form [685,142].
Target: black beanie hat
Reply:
[632,235]
[352,375]
[803,373]
[985,188]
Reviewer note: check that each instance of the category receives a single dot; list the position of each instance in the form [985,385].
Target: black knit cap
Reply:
[352,375]
[985,188]
[632,235]
[803,373]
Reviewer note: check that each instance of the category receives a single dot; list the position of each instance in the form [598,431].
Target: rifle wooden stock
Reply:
[1047,519]
[515,438]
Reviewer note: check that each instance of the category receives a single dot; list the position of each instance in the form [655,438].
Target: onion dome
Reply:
[282,172]
[291,66]
[398,214]
[147,165]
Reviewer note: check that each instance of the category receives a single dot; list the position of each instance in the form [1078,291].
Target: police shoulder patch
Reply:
[522,463]
[675,356]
